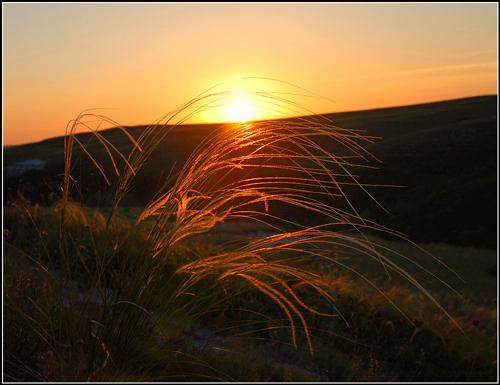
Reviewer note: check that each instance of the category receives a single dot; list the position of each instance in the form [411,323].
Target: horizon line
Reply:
[4,146]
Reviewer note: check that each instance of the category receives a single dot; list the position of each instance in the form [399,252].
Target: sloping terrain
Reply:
[444,154]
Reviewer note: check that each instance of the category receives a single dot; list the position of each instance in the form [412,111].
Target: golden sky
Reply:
[143,60]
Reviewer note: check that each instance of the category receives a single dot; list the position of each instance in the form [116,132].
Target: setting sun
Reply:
[240,108]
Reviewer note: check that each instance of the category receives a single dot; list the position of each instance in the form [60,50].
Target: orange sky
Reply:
[146,59]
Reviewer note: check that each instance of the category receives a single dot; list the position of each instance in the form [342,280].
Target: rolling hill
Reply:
[444,154]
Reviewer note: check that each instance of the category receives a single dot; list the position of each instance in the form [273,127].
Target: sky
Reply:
[143,60]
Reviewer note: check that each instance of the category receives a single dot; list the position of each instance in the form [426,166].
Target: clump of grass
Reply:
[269,172]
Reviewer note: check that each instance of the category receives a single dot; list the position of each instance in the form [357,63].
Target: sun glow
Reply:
[240,99]
[240,108]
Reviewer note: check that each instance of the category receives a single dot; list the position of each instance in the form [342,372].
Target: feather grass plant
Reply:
[238,172]
[263,171]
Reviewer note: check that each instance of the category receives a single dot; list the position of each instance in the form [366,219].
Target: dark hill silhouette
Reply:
[444,153]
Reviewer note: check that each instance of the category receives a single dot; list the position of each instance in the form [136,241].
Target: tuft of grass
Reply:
[110,298]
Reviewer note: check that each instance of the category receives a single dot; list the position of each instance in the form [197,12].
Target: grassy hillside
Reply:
[443,153]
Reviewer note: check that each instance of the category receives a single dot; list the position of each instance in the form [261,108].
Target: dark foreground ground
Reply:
[64,327]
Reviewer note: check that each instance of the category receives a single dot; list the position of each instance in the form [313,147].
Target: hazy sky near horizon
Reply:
[146,59]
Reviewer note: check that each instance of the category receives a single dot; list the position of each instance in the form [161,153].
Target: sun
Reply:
[240,108]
